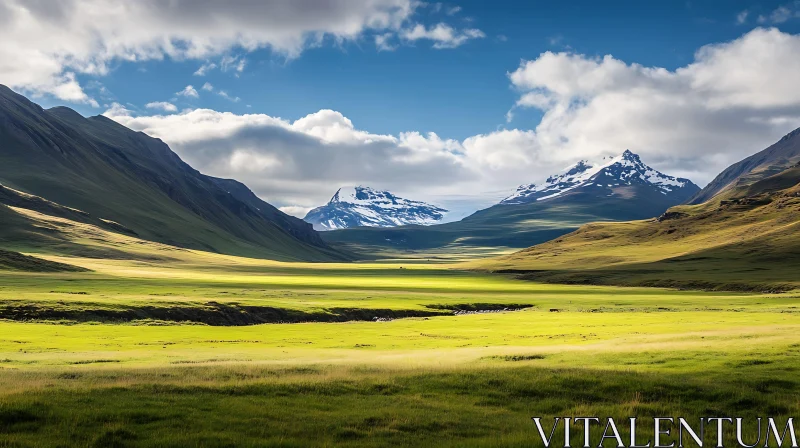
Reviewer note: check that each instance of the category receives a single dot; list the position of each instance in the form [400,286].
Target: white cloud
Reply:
[205,68]
[208,87]
[162,105]
[294,210]
[504,150]
[692,121]
[303,162]
[734,99]
[44,44]
[741,18]
[225,95]
[188,91]
[232,63]
[117,110]
[782,14]
[538,100]
[443,35]
[383,42]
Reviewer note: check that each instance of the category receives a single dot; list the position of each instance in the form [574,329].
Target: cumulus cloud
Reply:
[205,68]
[731,101]
[301,163]
[208,87]
[734,99]
[162,105]
[44,44]
[189,92]
[443,35]
[233,63]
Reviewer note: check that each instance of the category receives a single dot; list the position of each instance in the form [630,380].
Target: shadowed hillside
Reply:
[115,174]
[14,261]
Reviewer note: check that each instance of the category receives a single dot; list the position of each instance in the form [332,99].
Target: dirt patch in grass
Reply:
[211,313]
[481,306]
[515,358]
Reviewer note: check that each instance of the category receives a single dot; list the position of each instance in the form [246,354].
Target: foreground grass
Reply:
[319,407]
[451,380]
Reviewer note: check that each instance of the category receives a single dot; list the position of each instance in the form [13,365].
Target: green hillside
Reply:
[115,174]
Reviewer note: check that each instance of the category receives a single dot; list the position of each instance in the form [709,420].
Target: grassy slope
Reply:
[496,228]
[747,238]
[100,167]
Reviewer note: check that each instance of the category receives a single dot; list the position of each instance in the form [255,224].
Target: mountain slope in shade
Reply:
[766,163]
[618,189]
[113,173]
[366,207]
[14,261]
[609,173]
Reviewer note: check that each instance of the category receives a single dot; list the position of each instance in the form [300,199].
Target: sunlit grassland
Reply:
[451,380]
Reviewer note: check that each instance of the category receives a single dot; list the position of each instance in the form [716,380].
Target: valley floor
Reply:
[93,358]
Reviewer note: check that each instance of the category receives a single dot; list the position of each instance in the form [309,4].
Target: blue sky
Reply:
[455,93]
[384,102]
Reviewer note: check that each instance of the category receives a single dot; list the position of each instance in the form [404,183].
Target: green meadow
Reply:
[93,359]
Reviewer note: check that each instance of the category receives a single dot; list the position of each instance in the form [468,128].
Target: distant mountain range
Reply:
[100,168]
[607,176]
[366,207]
[615,189]
[60,170]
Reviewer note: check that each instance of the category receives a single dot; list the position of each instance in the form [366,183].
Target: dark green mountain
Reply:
[113,173]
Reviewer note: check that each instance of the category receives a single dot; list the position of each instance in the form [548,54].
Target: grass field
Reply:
[104,379]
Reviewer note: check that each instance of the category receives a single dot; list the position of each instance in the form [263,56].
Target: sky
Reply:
[456,103]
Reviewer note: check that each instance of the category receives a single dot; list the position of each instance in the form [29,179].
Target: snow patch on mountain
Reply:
[625,169]
[366,207]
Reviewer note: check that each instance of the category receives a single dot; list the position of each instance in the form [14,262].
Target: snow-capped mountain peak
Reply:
[364,206]
[366,195]
[610,172]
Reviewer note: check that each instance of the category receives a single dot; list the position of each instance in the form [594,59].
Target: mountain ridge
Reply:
[518,224]
[98,165]
[362,206]
[624,169]
[774,159]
